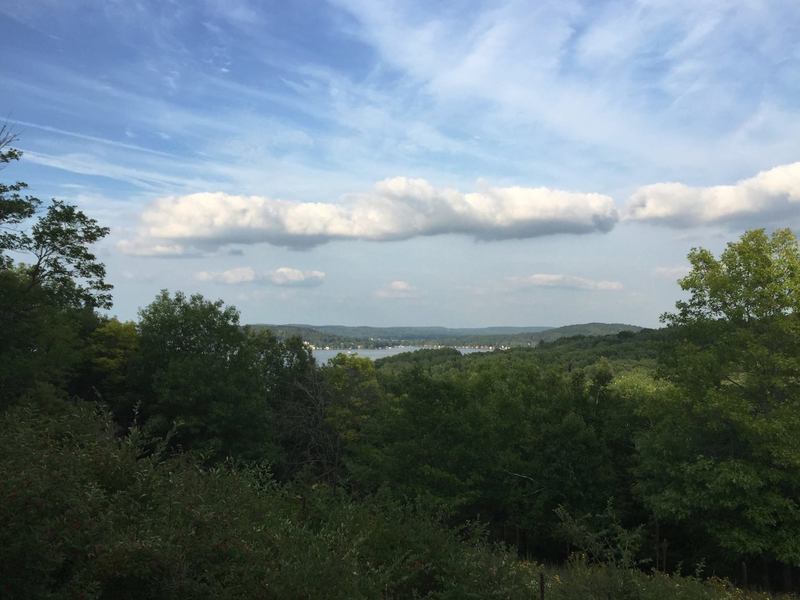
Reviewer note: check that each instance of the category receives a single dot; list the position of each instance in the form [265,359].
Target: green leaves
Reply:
[196,367]
[756,278]
[721,452]
[15,208]
[57,245]
[500,437]
[84,515]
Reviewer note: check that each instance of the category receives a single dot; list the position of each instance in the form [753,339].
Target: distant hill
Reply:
[625,351]
[543,335]
[342,336]
[309,334]
[585,329]
[419,333]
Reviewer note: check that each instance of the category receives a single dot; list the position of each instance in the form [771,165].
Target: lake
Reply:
[323,356]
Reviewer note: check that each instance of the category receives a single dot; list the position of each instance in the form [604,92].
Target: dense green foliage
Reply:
[186,456]
[90,517]
[722,455]
[46,303]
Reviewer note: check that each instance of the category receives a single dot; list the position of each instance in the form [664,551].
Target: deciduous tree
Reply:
[721,453]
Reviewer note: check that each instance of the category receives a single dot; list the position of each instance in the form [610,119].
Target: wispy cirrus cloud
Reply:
[559,280]
[657,82]
[282,276]
[91,138]
[396,209]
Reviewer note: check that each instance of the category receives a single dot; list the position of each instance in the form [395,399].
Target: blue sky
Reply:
[462,164]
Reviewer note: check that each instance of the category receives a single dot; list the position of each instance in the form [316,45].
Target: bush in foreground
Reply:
[84,514]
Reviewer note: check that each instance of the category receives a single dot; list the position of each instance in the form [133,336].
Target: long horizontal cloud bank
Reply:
[396,209]
[402,208]
[771,196]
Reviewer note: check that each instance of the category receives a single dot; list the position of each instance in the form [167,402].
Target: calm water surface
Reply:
[323,356]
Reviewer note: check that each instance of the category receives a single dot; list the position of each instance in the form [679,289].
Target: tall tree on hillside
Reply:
[721,452]
[54,250]
[50,284]
[196,372]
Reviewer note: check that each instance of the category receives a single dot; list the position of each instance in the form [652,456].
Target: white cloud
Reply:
[282,276]
[557,280]
[397,289]
[137,276]
[771,196]
[231,276]
[287,276]
[672,273]
[140,247]
[395,209]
